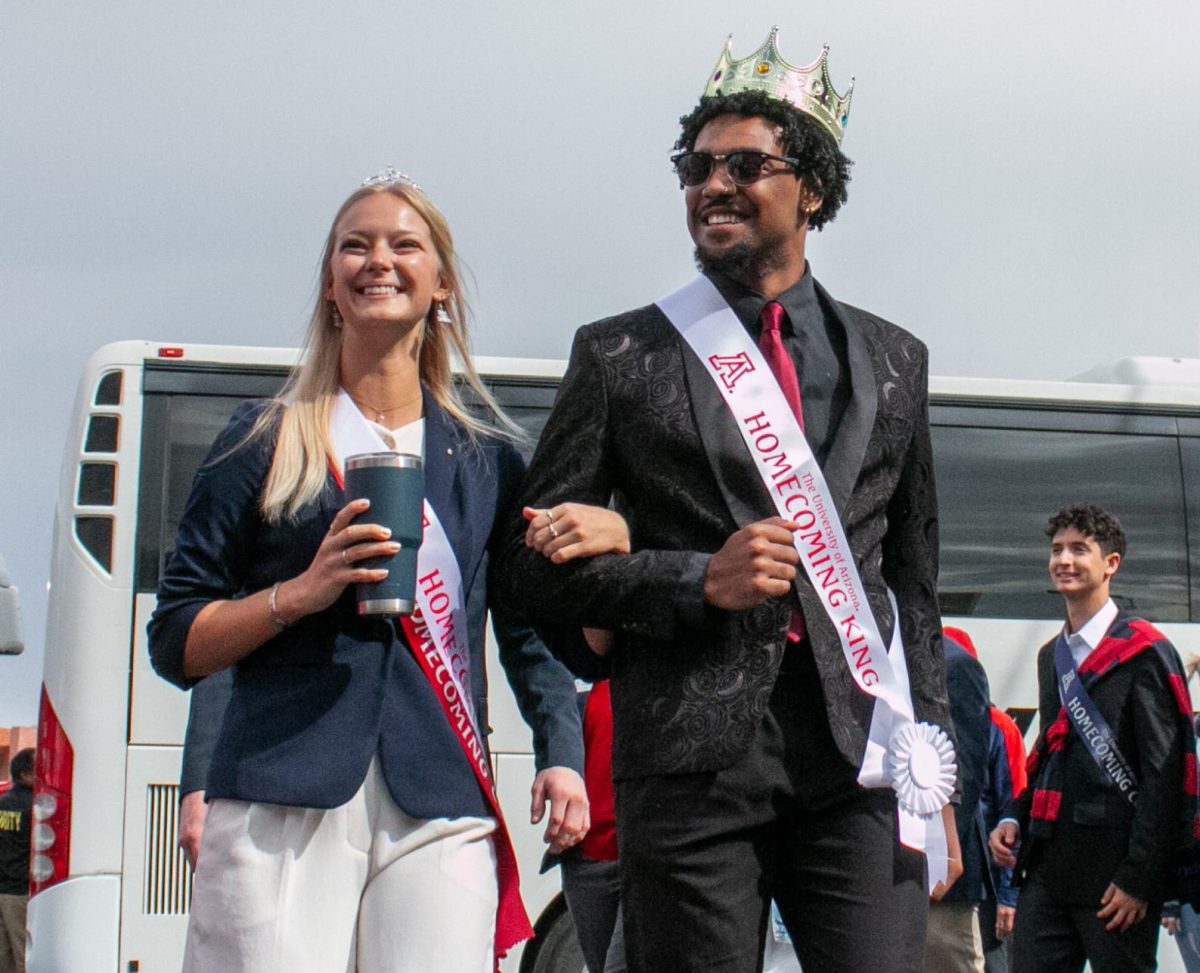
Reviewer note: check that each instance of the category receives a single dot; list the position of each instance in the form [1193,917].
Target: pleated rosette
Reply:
[922,767]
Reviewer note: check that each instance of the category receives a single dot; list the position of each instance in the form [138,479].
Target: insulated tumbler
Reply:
[395,485]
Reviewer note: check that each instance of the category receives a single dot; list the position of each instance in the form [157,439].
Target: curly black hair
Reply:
[1093,522]
[823,166]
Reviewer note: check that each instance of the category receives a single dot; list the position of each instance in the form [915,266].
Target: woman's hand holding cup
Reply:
[335,564]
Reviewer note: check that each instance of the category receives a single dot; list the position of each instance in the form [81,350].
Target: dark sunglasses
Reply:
[744,167]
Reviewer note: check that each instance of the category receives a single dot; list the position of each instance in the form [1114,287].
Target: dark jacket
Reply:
[1099,836]
[637,418]
[997,795]
[967,685]
[310,708]
[15,824]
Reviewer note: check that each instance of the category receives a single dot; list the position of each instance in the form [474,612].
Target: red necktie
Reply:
[770,343]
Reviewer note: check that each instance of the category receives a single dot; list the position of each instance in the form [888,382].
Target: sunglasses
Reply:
[743,167]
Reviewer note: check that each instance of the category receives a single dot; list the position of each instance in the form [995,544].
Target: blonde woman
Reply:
[351,823]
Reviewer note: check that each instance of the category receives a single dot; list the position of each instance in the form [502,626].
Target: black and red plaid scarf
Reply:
[1126,638]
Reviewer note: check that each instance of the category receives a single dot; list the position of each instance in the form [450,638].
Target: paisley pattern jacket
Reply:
[637,420]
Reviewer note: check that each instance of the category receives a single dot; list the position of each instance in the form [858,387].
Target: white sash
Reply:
[916,759]
[440,606]
[438,635]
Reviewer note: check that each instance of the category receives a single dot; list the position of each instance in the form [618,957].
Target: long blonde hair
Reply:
[303,408]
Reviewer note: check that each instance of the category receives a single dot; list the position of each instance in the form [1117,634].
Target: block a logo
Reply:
[731,368]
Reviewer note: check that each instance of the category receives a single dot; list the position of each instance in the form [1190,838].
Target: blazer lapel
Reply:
[853,433]
[445,488]
[731,464]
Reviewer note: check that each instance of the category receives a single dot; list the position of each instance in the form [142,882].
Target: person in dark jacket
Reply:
[1112,775]
[16,813]
[741,714]
[953,942]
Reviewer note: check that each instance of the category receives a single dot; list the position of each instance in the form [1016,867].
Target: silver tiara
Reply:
[385,177]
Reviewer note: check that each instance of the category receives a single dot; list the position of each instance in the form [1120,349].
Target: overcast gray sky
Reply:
[1024,193]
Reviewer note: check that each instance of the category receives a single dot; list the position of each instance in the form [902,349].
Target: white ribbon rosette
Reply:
[922,767]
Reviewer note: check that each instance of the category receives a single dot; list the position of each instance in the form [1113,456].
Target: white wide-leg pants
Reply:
[362,888]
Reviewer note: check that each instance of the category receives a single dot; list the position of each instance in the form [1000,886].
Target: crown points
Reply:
[808,88]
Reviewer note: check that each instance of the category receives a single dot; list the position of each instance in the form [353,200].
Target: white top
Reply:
[409,438]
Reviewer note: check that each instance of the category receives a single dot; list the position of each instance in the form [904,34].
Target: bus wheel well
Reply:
[554,948]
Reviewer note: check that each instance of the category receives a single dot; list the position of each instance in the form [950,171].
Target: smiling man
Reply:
[769,446]
[1112,776]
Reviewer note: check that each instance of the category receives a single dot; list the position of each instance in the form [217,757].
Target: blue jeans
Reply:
[1188,938]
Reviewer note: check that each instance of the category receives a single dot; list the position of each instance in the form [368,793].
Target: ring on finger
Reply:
[345,560]
[553,532]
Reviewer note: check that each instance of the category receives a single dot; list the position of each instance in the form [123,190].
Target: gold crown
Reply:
[808,88]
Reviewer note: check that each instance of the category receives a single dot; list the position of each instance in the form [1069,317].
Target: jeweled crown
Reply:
[808,88]
[389,175]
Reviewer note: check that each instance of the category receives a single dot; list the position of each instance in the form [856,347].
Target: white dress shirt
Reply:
[1091,632]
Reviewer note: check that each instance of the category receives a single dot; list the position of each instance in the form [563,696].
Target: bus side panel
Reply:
[156,881]
[158,710]
[86,669]
[73,926]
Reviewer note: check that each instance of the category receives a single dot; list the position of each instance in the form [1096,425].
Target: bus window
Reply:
[1189,452]
[528,404]
[178,433]
[996,488]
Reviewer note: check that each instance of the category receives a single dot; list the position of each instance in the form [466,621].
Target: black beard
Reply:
[742,262]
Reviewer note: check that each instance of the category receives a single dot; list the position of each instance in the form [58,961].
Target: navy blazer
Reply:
[967,684]
[310,708]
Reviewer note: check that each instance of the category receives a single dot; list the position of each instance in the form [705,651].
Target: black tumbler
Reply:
[395,485]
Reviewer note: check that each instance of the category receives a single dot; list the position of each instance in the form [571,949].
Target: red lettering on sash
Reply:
[798,498]
[731,368]
[791,483]
[767,442]
[760,422]
[512,922]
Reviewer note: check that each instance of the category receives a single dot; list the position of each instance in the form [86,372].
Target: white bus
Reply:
[111,890]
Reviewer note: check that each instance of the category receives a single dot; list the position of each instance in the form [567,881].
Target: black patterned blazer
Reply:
[637,419]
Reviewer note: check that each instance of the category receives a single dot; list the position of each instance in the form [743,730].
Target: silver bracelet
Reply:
[280,622]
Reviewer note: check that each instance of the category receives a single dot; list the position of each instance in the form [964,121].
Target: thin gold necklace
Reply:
[381,413]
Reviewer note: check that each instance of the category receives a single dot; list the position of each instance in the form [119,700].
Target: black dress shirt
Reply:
[816,341]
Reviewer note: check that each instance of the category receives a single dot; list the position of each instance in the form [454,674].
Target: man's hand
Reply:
[192,812]
[1172,925]
[569,817]
[1123,908]
[954,865]
[756,563]
[599,640]
[1003,844]
[1006,916]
